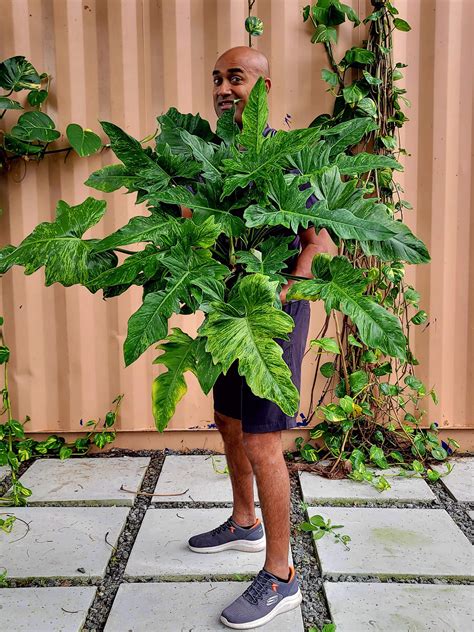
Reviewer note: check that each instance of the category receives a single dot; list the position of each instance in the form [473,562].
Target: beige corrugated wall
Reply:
[127,61]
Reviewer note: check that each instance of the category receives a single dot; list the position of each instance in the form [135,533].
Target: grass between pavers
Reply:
[315,608]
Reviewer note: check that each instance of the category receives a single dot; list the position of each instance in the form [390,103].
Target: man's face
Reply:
[234,76]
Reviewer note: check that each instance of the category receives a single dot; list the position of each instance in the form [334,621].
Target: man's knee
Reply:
[262,447]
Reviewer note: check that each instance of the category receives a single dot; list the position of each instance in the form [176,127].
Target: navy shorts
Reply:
[233,398]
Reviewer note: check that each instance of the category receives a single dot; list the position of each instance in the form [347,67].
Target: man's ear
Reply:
[268,83]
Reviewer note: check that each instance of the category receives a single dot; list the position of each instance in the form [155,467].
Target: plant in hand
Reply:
[230,260]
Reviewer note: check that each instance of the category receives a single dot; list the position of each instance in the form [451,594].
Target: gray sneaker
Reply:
[264,599]
[229,536]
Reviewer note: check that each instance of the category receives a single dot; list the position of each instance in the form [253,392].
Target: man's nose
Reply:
[224,89]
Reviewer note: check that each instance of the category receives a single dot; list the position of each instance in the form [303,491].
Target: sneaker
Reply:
[264,599]
[229,536]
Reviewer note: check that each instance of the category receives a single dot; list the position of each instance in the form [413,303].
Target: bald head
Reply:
[251,58]
[234,75]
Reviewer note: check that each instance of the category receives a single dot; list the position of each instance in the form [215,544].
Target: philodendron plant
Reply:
[229,261]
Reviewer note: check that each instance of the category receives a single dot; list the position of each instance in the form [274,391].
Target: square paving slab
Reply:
[197,475]
[316,488]
[394,542]
[61,541]
[358,607]
[460,482]
[85,481]
[161,548]
[44,609]
[183,606]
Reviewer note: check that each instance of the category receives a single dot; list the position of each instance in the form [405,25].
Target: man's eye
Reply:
[236,78]
[216,81]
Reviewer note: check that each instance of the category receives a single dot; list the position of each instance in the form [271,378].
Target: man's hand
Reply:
[312,244]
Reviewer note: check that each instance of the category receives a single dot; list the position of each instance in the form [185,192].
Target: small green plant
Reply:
[29,138]
[320,527]
[327,627]
[16,448]
[216,461]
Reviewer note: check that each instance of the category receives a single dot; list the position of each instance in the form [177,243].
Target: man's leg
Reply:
[240,469]
[265,453]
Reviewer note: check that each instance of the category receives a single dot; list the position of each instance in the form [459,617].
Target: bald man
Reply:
[250,426]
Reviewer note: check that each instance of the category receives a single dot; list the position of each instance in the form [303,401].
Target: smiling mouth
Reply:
[227,105]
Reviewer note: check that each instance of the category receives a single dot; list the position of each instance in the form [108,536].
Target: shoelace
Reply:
[222,527]
[257,588]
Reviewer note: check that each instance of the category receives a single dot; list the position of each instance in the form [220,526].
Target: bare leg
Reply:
[265,453]
[240,469]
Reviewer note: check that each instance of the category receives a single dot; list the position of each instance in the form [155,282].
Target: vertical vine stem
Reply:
[343,360]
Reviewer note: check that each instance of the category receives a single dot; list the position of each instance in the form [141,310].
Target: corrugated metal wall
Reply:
[127,61]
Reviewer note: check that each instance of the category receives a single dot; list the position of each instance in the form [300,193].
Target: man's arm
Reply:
[311,245]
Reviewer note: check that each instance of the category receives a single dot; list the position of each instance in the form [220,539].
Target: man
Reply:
[250,426]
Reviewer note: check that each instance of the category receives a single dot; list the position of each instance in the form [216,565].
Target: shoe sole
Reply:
[285,605]
[238,545]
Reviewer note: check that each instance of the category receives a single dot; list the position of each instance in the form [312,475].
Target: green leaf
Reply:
[261,166]
[347,404]
[144,261]
[83,141]
[327,369]
[353,94]
[58,246]
[348,134]
[4,354]
[432,475]
[358,380]
[172,122]
[203,152]
[358,56]
[149,323]
[181,353]
[439,453]
[112,177]
[64,452]
[389,389]
[368,106]
[35,126]
[289,207]
[373,81]
[414,383]
[364,162]
[269,258]
[138,229]
[205,203]
[330,77]
[227,129]
[37,97]
[383,369]
[352,341]
[324,33]
[401,25]
[390,142]
[244,329]
[419,318]
[333,412]
[326,344]
[16,73]
[344,291]
[254,118]
[9,104]
[346,211]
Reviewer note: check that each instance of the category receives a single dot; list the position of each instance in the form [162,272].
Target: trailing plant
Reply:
[374,416]
[229,261]
[28,139]
[16,448]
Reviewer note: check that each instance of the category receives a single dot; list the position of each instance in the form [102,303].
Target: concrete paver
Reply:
[460,481]
[194,606]
[61,541]
[87,480]
[198,475]
[394,542]
[471,514]
[316,488]
[161,548]
[45,609]
[391,607]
